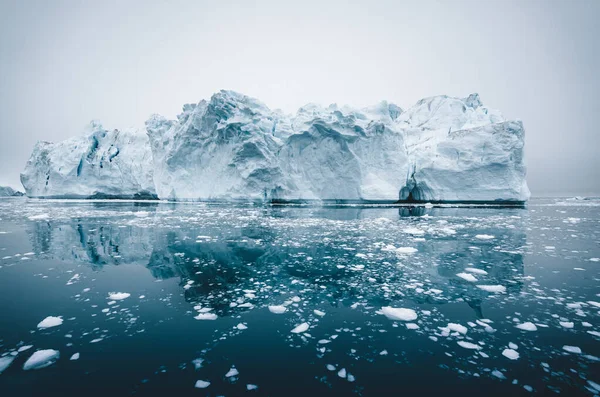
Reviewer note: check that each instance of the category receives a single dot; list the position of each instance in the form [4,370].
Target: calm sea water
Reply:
[154,297]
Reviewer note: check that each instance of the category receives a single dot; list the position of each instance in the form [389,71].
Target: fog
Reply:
[64,63]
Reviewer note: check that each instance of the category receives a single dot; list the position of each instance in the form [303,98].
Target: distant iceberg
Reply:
[442,149]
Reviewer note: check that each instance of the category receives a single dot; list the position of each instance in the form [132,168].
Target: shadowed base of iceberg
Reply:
[102,196]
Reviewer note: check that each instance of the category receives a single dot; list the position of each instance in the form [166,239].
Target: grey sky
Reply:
[63,63]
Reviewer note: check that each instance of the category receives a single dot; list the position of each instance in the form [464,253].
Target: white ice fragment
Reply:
[241,327]
[41,359]
[342,373]
[277,309]
[498,374]
[330,367]
[117,296]
[493,288]
[468,345]
[400,314]
[457,328]
[232,372]
[250,386]
[300,328]
[319,313]
[50,321]
[206,316]
[484,236]
[412,326]
[74,357]
[467,277]
[527,326]
[566,324]
[476,271]
[5,362]
[572,349]
[511,354]
[23,348]
[513,346]
[201,384]
[406,250]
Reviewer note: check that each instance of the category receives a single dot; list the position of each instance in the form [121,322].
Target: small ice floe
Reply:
[406,250]
[595,304]
[250,386]
[527,326]
[350,378]
[476,271]
[412,326]
[594,259]
[300,328]
[414,231]
[498,374]
[197,363]
[232,372]
[383,353]
[96,340]
[566,324]
[23,348]
[342,373]
[398,313]
[73,279]
[319,313]
[572,349]
[511,354]
[330,367]
[117,296]
[5,362]
[513,345]
[594,333]
[201,384]
[50,321]
[595,386]
[74,357]
[484,236]
[549,248]
[241,326]
[41,359]
[468,345]
[277,309]
[467,276]
[499,289]
[206,316]
[457,328]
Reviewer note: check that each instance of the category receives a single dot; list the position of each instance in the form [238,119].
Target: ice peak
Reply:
[473,101]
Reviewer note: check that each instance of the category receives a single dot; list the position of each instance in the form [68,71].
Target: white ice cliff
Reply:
[98,163]
[443,149]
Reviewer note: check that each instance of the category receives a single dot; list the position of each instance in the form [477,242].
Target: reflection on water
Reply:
[339,254]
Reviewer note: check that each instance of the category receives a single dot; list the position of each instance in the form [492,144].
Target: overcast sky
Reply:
[64,63]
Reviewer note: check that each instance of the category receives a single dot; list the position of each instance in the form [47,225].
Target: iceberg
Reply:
[233,147]
[97,164]
[7,191]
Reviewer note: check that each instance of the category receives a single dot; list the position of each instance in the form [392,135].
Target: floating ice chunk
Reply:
[300,328]
[23,348]
[350,378]
[566,324]
[250,386]
[596,304]
[277,309]
[457,328]
[468,345]
[401,314]
[513,346]
[5,362]
[493,288]
[117,296]
[594,385]
[414,231]
[572,349]
[594,259]
[74,357]
[241,327]
[527,326]
[406,250]
[330,367]
[201,384]
[197,363]
[232,372]
[510,353]
[319,313]
[484,236]
[383,353]
[50,321]
[96,340]
[206,316]
[498,374]
[594,333]
[39,217]
[528,388]
[475,270]
[41,359]
[412,326]
[73,279]
[342,373]
[467,277]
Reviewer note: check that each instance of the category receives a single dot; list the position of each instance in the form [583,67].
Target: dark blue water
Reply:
[196,283]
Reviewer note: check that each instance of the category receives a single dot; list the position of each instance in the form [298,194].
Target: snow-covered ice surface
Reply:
[231,146]
[130,279]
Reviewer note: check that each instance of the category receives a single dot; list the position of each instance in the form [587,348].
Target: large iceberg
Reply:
[7,191]
[96,164]
[443,149]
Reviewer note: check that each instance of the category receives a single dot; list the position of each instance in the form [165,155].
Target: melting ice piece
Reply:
[457,328]
[467,276]
[300,328]
[50,321]
[493,288]
[572,349]
[510,353]
[41,359]
[201,384]
[397,313]
[74,357]
[498,374]
[206,316]
[232,372]
[468,345]
[117,296]
[5,362]
[277,309]
[342,373]
[251,387]
[566,324]
[319,313]
[406,250]
[241,327]
[476,271]
[527,326]
[23,348]
[484,236]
